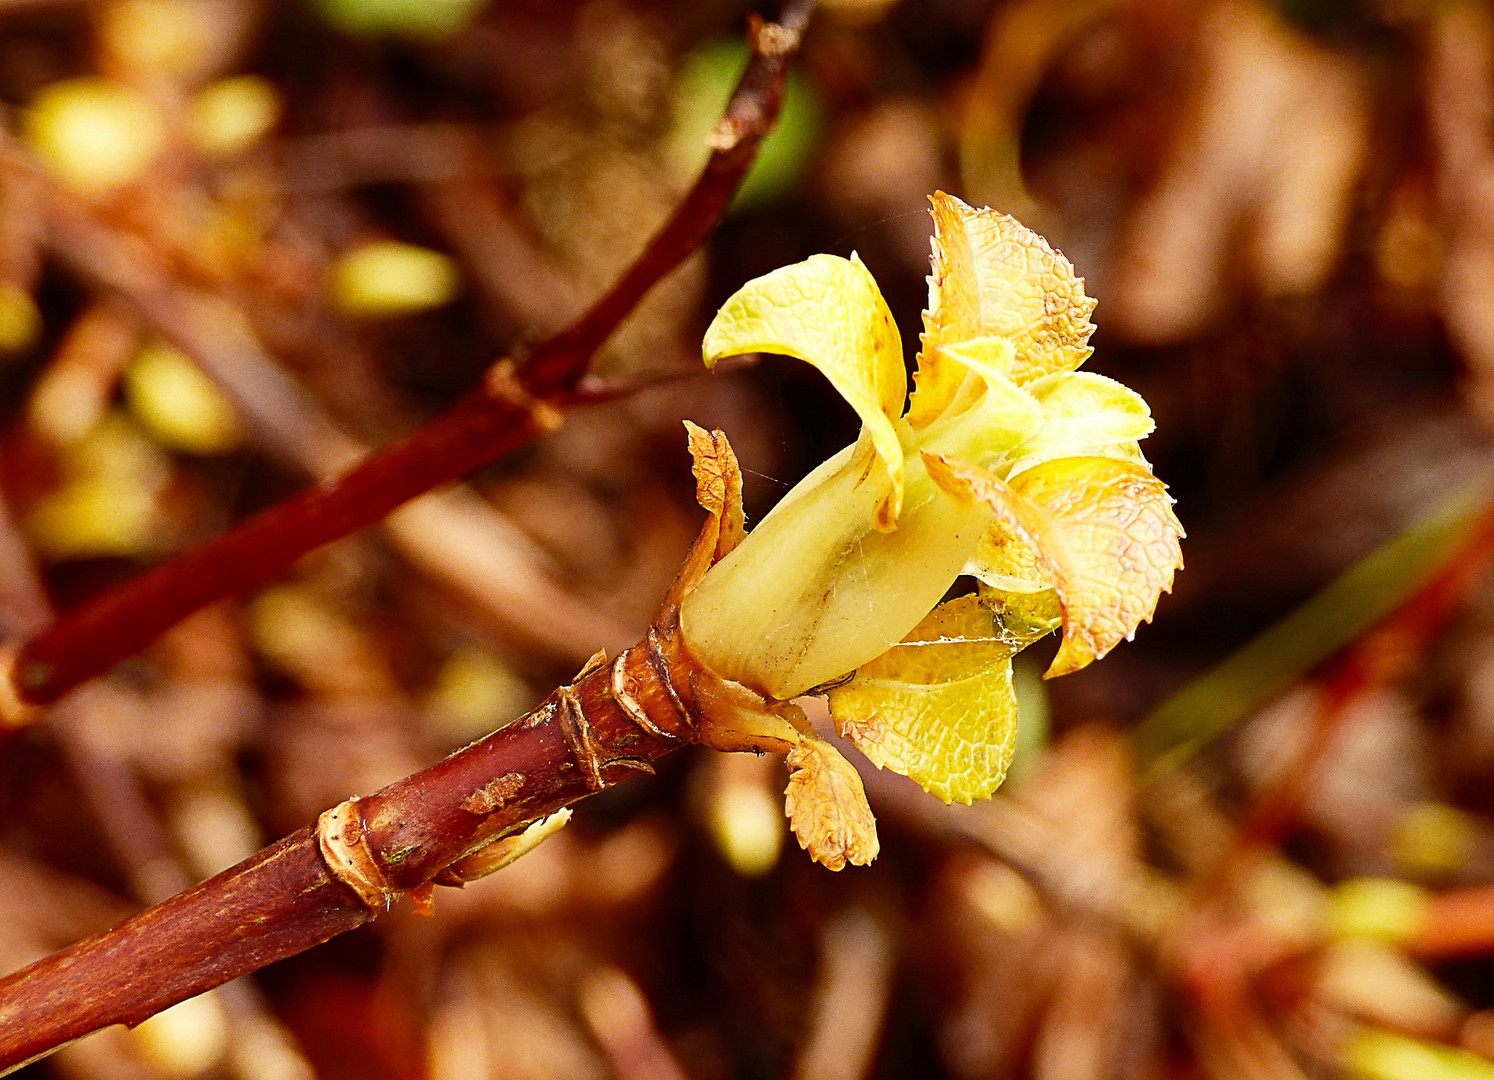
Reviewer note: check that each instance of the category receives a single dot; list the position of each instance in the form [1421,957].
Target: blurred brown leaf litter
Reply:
[348,210]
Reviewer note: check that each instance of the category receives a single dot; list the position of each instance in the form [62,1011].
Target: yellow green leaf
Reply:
[1103,535]
[1024,616]
[1084,415]
[827,807]
[828,312]
[992,276]
[939,707]
[815,590]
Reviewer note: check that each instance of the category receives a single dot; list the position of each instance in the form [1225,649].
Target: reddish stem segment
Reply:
[93,637]
[616,720]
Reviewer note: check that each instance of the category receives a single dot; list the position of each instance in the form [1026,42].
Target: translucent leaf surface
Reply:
[939,707]
[1024,616]
[993,276]
[1083,415]
[1006,562]
[826,805]
[815,591]
[1103,534]
[989,357]
[828,312]
[990,416]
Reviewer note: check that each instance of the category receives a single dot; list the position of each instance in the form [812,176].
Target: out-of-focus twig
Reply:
[850,999]
[131,828]
[501,414]
[1451,542]
[454,536]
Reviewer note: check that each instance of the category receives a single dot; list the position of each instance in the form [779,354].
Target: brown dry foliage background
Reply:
[1286,211]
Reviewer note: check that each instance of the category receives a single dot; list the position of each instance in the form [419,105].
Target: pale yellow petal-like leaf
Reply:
[938,708]
[815,591]
[827,807]
[1004,561]
[990,357]
[1104,536]
[990,416]
[993,276]
[828,312]
[1084,415]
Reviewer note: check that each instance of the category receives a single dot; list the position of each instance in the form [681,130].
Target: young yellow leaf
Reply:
[1103,534]
[828,312]
[1004,561]
[1084,415]
[939,707]
[827,807]
[993,276]
[990,416]
[989,357]
[815,591]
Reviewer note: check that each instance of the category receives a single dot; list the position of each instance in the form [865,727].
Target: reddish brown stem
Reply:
[615,721]
[116,624]
[490,422]
[561,361]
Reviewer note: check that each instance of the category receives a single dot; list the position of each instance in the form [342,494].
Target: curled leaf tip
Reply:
[718,488]
[993,276]
[826,805]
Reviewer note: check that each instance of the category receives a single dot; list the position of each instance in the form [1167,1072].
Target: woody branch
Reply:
[616,720]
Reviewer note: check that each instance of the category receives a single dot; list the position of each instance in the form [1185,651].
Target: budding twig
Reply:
[613,722]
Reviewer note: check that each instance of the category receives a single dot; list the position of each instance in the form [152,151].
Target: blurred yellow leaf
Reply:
[827,807]
[233,114]
[180,406]
[1103,534]
[185,1040]
[938,708]
[388,277]
[94,134]
[20,319]
[828,312]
